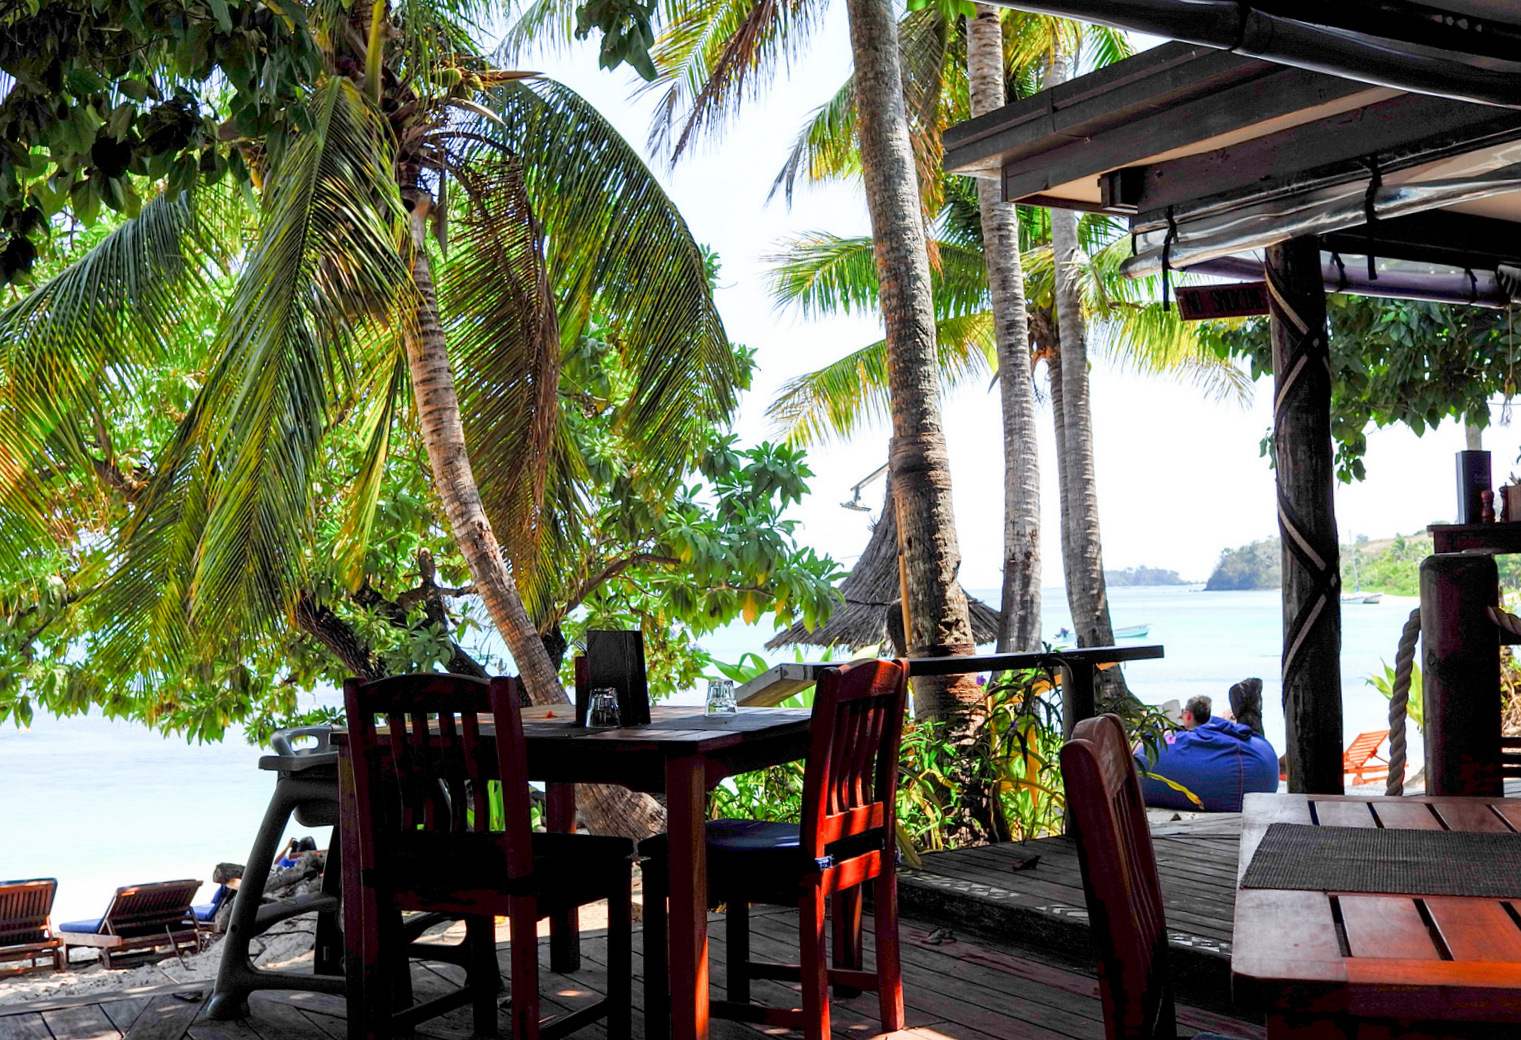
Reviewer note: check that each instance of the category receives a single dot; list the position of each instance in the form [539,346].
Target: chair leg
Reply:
[845,909]
[889,967]
[620,958]
[525,969]
[737,936]
[482,977]
[657,972]
[812,950]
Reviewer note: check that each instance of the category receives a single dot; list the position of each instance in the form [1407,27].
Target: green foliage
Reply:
[1401,361]
[108,102]
[216,494]
[1395,569]
[1384,684]
[1255,566]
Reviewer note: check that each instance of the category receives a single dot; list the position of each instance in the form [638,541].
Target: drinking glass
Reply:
[602,712]
[721,697]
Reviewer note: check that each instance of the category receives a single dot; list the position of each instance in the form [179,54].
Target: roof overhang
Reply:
[1211,154]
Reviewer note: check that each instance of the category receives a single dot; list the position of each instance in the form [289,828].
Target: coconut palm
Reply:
[823,274]
[412,156]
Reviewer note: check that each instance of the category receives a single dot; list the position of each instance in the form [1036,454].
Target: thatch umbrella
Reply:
[871,593]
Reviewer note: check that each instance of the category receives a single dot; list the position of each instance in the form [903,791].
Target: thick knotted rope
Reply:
[1318,561]
[1399,700]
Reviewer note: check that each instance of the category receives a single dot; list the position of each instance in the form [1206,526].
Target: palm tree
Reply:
[823,274]
[410,144]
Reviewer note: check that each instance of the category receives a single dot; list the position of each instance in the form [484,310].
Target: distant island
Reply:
[1255,566]
[1143,576]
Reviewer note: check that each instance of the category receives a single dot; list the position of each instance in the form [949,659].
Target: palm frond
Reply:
[825,148]
[616,242]
[715,56]
[499,316]
[86,337]
[837,400]
[547,24]
[820,273]
[224,527]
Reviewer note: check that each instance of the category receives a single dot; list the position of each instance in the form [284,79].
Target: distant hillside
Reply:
[1255,566]
[1143,576]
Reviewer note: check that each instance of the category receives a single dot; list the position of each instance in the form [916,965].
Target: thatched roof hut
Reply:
[870,591]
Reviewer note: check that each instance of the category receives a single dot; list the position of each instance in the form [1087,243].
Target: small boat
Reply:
[1132,632]
[1362,597]
[1373,597]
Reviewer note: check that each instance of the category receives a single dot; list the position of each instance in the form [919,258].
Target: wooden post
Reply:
[1306,517]
[1461,684]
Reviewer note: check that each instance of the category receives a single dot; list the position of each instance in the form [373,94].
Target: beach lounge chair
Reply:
[140,917]
[1362,762]
[26,932]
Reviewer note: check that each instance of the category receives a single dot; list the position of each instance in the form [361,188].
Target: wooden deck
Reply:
[996,892]
[956,988]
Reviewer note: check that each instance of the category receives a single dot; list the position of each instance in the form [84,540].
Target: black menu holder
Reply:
[616,659]
[1473,481]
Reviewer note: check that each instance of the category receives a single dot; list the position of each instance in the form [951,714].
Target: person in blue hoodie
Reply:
[1216,759]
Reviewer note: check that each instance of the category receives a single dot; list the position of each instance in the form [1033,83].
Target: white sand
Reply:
[287,946]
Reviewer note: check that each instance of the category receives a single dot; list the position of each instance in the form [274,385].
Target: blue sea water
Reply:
[99,803]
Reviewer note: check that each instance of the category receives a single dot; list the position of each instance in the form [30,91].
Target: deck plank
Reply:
[958,988]
[24,1027]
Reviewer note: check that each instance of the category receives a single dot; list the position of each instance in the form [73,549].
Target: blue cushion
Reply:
[87,927]
[752,835]
[206,911]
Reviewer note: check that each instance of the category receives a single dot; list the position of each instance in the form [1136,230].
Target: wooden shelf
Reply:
[1492,538]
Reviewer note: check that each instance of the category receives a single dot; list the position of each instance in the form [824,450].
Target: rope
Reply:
[1399,699]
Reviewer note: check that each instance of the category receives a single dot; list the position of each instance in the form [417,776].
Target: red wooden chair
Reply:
[846,839]
[426,843]
[1120,882]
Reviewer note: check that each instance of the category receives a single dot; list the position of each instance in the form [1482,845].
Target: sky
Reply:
[1179,475]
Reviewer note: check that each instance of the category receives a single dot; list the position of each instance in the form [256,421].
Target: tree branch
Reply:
[607,573]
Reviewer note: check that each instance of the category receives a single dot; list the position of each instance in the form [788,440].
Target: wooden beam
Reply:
[1400,131]
[1273,91]
[1103,98]
[1306,517]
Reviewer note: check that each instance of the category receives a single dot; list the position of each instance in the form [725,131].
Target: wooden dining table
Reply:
[682,752]
[1328,963]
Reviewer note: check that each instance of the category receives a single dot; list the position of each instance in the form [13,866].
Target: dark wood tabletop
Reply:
[1330,960]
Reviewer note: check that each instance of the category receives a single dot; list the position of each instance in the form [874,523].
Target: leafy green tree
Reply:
[1401,361]
[379,148]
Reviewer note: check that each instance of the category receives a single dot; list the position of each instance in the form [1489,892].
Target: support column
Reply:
[1461,684]
[1306,517]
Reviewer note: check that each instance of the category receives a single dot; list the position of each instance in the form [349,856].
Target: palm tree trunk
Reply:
[607,810]
[938,619]
[1082,550]
[1019,624]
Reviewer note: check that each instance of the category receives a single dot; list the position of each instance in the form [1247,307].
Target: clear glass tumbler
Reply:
[602,712]
[721,697]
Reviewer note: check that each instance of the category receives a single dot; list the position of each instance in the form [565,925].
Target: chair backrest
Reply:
[851,779]
[1363,749]
[148,909]
[24,910]
[429,773]
[1120,880]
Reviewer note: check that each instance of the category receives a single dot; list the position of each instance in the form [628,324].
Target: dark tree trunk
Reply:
[1306,517]
[938,619]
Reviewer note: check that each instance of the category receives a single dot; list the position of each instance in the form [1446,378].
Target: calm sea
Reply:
[100,803]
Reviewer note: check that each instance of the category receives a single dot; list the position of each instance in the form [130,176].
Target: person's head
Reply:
[1246,704]
[1196,712]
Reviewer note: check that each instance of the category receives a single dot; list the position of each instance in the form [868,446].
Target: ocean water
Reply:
[99,803]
